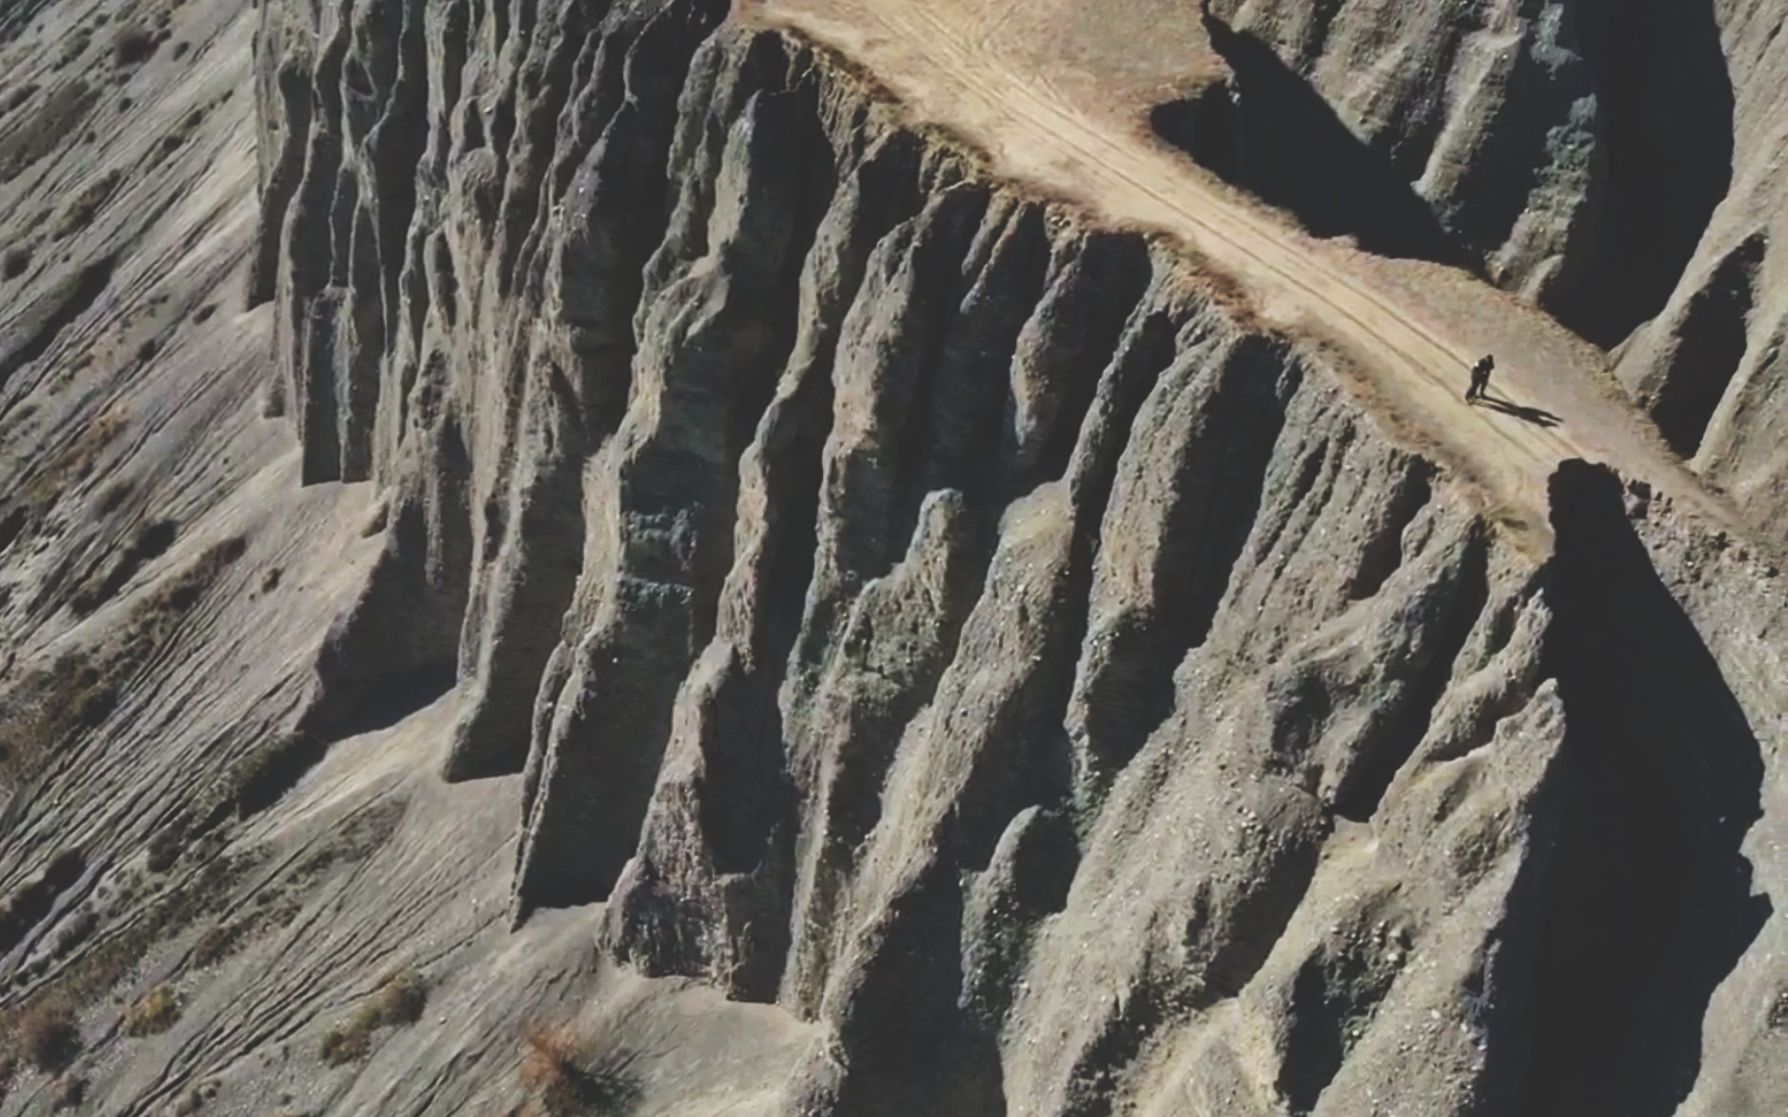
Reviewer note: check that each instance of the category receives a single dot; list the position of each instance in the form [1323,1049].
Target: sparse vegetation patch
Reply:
[50,1037]
[154,1014]
[132,45]
[47,127]
[69,1092]
[398,1003]
[564,1073]
[402,998]
[54,704]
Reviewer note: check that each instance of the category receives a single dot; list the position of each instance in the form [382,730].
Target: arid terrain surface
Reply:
[842,558]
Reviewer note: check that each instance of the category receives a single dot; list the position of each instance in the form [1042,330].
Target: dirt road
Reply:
[1069,117]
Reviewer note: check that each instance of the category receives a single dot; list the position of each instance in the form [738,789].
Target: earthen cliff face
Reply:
[673,548]
[950,623]
[1617,162]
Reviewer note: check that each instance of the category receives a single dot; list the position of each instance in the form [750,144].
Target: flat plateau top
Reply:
[1056,94]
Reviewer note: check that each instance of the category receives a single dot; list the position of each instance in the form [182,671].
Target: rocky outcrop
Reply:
[1709,366]
[964,627]
[1575,150]
[1616,162]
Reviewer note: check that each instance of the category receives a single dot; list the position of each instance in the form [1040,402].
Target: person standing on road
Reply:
[1480,379]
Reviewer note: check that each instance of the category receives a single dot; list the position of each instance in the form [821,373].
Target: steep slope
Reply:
[1619,163]
[787,609]
[1577,148]
[1709,366]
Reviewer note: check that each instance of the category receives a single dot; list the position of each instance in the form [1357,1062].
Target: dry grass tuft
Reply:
[154,1014]
[402,998]
[398,1003]
[132,45]
[49,1037]
[220,942]
[565,1073]
[350,1040]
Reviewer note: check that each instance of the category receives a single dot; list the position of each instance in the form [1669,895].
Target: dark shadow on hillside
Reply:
[1269,132]
[1648,903]
[1712,343]
[1665,107]
[264,776]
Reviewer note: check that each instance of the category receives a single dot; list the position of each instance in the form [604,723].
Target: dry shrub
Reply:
[168,843]
[398,1003]
[154,1014]
[132,45]
[350,1040]
[47,127]
[550,1068]
[219,942]
[68,1092]
[32,902]
[257,780]
[49,708]
[15,261]
[49,1036]
[565,1073]
[402,999]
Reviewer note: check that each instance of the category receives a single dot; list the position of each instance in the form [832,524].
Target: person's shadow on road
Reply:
[1539,417]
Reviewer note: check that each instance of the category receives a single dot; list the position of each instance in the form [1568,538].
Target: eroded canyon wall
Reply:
[1620,163]
[963,627]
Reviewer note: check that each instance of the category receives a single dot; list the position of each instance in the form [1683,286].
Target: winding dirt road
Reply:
[1019,80]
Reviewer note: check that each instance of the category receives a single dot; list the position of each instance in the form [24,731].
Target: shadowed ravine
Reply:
[1652,901]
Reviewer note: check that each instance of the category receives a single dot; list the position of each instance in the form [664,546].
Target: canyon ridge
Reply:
[880,558]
